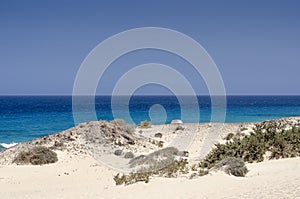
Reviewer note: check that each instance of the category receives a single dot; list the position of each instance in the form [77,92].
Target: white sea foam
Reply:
[5,145]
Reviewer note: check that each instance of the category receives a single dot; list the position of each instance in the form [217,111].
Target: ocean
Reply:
[23,118]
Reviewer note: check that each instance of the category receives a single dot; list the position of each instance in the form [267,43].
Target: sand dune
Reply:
[83,177]
[78,175]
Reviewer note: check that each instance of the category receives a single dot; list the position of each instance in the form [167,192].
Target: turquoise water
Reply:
[26,117]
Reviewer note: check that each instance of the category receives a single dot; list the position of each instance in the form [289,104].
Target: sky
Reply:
[255,44]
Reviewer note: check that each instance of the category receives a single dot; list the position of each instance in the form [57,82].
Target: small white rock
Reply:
[176,122]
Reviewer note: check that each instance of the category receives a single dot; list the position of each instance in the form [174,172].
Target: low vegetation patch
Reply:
[154,158]
[145,124]
[129,155]
[158,135]
[232,166]
[179,128]
[36,156]
[121,124]
[268,137]
[229,136]
[164,163]
[130,128]
[174,168]
[271,138]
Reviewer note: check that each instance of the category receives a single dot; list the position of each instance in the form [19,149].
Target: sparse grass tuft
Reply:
[172,169]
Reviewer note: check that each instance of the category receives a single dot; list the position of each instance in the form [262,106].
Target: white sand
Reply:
[83,177]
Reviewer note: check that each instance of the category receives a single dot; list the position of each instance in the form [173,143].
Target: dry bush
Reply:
[119,122]
[158,135]
[145,124]
[172,169]
[152,158]
[179,128]
[233,166]
[129,155]
[130,128]
[118,152]
[36,156]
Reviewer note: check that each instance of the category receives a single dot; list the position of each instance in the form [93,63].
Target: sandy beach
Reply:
[77,174]
[79,177]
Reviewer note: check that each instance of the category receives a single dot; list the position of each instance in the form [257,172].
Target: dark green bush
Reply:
[229,136]
[252,148]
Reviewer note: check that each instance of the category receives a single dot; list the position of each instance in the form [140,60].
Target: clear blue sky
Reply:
[255,44]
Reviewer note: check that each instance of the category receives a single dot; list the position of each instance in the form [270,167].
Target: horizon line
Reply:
[107,95]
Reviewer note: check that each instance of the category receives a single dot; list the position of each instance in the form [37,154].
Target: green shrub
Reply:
[36,156]
[229,136]
[172,169]
[252,148]
[131,178]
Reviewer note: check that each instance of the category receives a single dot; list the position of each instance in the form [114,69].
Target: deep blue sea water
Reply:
[26,117]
